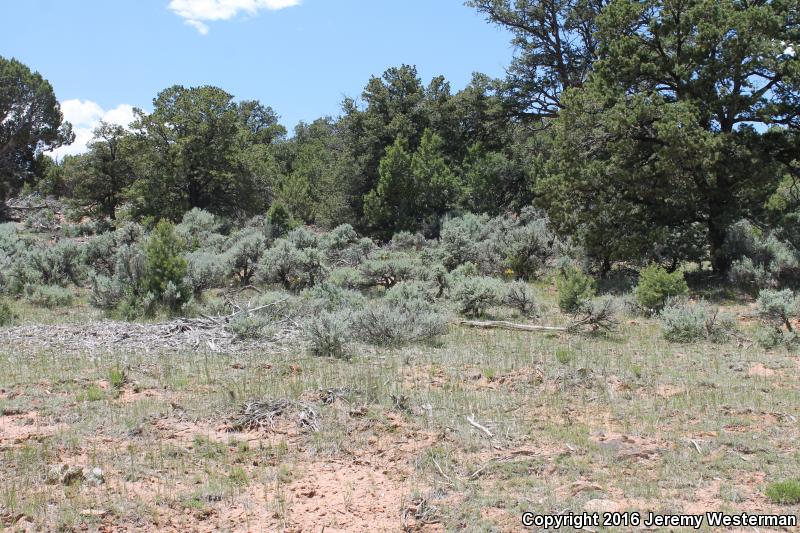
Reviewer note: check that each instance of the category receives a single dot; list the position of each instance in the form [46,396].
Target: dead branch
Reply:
[254,310]
[261,415]
[27,207]
[594,317]
[475,424]
[503,324]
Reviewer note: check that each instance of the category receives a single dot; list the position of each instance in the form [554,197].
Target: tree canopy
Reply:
[30,122]
[646,129]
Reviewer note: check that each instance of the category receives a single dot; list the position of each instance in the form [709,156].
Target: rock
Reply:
[581,486]
[64,474]
[55,473]
[601,506]
[474,375]
[94,512]
[72,475]
[94,477]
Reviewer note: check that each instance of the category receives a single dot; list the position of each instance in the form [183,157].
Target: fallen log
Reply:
[27,207]
[503,324]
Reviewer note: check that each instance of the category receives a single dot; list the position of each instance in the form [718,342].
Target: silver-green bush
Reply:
[405,241]
[521,297]
[778,308]
[475,295]
[205,271]
[404,316]
[49,296]
[385,269]
[346,277]
[281,264]
[328,334]
[244,252]
[6,314]
[760,261]
[688,322]
[331,297]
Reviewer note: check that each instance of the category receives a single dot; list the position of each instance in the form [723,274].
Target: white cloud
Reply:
[197,13]
[85,116]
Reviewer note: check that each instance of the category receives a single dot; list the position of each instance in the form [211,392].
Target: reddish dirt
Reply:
[16,429]
[759,370]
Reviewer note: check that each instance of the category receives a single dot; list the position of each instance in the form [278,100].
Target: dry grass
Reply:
[630,419]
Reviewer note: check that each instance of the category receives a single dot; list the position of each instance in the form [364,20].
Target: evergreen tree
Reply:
[390,206]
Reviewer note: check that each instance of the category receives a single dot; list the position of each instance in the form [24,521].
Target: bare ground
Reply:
[459,437]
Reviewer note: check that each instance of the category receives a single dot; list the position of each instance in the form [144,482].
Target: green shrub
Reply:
[656,286]
[6,314]
[302,238]
[574,289]
[165,267]
[770,337]
[459,237]
[684,322]
[564,355]
[281,264]
[387,269]
[41,220]
[778,308]
[205,271]
[519,296]
[465,270]
[100,253]
[528,249]
[438,275]
[245,250]
[60,264]
[117,378]
[49,296]
[346,278]
[749,276]
[328,334]
[144,276]
[198,228]
[331,297]
[106,293]
[280,218]
[402,317]
[759,260]
[475,295]
[406,241]
[410,291]
[339,238]
[784,492]
[251,326]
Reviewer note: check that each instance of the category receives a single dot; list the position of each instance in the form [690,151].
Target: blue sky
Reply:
[104,56]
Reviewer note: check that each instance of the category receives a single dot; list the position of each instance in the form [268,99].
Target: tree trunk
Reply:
[720,263]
